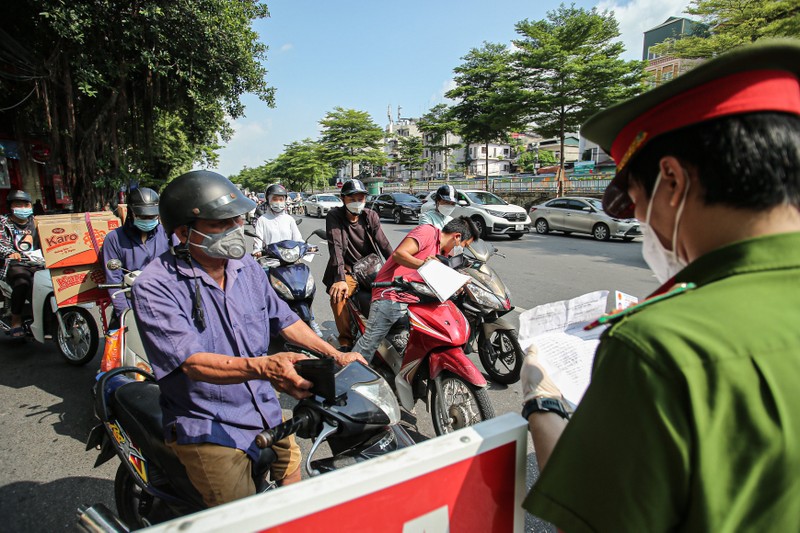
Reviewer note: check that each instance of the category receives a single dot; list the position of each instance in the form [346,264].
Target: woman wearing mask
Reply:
[275,225]
[18,236]
[140,240]
[446,202]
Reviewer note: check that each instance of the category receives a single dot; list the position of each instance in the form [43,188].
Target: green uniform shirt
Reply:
[435,218]
[692,418]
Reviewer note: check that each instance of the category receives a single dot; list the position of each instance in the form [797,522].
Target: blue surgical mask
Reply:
[146,225]
[22,212]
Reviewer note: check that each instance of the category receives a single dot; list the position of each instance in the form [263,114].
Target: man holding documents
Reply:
[422,244]
[691,421]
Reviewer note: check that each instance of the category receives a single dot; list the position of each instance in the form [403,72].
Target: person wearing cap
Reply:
[353,233]
[691,421]
[445,198]
[206,313]
[17,237]
[137,242]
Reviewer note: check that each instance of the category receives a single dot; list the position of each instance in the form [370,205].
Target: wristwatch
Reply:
[541,403]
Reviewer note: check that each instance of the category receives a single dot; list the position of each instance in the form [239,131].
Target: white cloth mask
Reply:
[664,263]
[356,207]
[278,207]
[446,209]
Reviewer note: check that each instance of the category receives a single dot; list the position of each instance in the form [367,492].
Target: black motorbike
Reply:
[353,410]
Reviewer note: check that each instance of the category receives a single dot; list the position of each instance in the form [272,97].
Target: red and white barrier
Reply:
[470,480]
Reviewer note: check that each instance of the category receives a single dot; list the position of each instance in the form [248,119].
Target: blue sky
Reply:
[370,54]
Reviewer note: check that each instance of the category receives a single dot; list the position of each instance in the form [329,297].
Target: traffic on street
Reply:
[48,405]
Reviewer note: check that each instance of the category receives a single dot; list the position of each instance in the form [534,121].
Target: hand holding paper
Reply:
[443,280]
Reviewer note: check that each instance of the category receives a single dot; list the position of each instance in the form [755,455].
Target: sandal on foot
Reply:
[16,333]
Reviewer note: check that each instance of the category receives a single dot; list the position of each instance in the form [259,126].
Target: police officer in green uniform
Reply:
[692,418]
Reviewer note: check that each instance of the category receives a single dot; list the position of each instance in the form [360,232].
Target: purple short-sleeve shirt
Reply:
[238,323]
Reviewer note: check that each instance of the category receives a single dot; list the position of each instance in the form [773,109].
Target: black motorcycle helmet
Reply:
[18,196]
[200,194]
[276,188]
[353,187]
[143,202]
[446,193]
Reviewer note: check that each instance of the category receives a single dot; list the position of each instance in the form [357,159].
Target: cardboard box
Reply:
[67,241]
[78,284]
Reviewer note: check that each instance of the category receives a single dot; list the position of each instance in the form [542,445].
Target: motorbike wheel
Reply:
[131,500]
[501,356]
[462,404]
[79,346]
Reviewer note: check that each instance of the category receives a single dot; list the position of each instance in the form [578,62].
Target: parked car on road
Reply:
[318,205]
[422,196]
[492,214]
[399,206]
[582,215]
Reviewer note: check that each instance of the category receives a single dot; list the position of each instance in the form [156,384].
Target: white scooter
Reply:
[74,328]
[131,347]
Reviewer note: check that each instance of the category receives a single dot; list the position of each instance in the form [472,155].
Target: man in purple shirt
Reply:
[140,240]
[206,312]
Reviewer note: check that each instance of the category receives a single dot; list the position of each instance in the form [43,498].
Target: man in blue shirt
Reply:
[206,312]
[140,240]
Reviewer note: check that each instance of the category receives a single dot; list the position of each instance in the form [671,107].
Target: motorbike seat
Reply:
[137,408]
[363,299]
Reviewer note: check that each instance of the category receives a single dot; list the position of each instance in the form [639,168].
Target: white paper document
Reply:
[443,280]
[566,351]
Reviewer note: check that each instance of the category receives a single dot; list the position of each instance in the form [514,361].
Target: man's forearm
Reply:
[221,369]
[300,334]
[546,428]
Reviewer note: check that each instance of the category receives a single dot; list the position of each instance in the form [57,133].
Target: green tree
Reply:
[440,129]
[731,23]
[570,66]
[349,137]
[488,96]
[133,90]
[410,154]
[304,166]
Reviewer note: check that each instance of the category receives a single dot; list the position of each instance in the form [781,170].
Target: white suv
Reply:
[492,214]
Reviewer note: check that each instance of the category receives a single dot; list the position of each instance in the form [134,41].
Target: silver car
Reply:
[582,215]
[319,204]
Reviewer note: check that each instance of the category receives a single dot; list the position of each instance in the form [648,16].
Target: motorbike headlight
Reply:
[290,255]
[423,289]
[309,284]
[484,297]
[379,393]
[281,287]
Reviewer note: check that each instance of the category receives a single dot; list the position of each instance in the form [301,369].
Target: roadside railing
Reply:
[538,185]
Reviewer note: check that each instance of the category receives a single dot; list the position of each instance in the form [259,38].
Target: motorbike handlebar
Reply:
[268,437]
[110,285]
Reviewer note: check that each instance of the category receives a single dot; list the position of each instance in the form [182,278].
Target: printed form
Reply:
[566,351]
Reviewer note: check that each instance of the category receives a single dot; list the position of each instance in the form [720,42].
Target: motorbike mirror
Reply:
[298,221]
[250,234]
[320,233]
[114,264]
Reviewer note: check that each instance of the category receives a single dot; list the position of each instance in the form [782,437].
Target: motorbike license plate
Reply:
[519,227]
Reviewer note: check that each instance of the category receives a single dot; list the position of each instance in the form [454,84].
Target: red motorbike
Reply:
[422,357]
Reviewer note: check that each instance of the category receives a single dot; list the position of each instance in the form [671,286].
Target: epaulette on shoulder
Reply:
[616,316]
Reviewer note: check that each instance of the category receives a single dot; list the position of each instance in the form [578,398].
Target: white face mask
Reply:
[664,263]
[446,209]
[356,207]
[278,207]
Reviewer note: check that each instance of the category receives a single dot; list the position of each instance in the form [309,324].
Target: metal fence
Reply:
[508,185]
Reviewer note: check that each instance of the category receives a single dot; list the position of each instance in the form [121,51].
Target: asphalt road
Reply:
[46,405]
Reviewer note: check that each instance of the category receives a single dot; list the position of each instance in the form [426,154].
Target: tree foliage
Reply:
[487,95]
[300,167]
[137,90]
[727,24]
[410,154]
[440,129]
[352,137]
[570,67]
